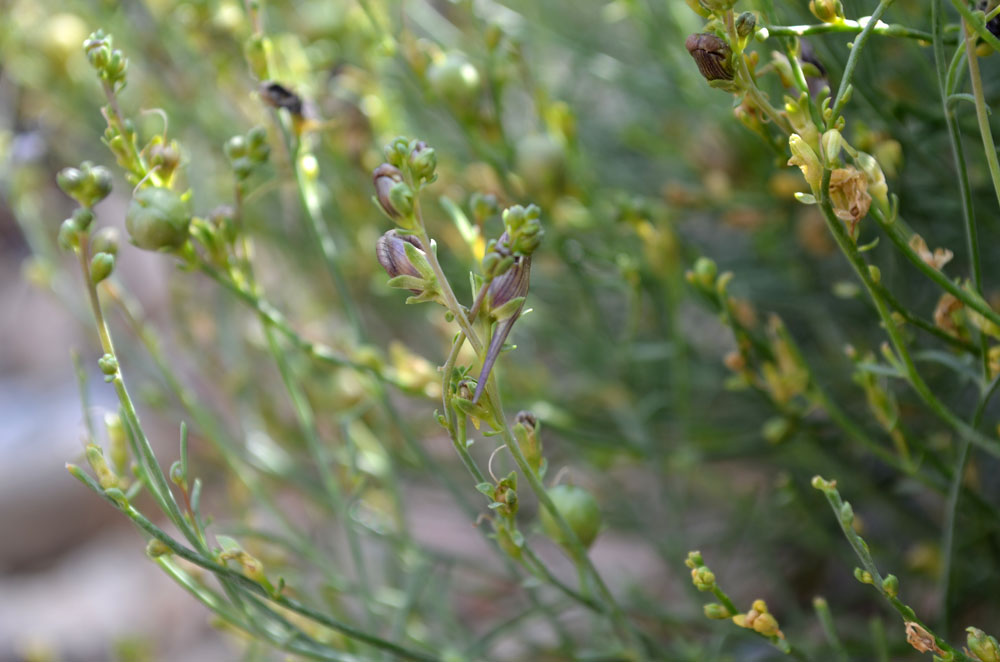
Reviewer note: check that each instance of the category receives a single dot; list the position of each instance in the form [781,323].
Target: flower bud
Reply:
[982,645]
[83,217]
[108,364]
[712,55]
[101,266]
[805,158]
[117,442]
[423,162]
[105,240]
[98,49]
[746,23]
[157,548]
[69,235]
[385,177]
[579,508]
[703,578]
[507,288]
[158,219]
[716,611]
[391,253]
[890,585]
[828,11]
[105,476]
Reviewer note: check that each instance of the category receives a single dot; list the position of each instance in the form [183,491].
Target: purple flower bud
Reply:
[385,177]
[390,249]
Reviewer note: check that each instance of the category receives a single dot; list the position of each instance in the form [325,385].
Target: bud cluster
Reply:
[410,165]
[109,62]
[246,152]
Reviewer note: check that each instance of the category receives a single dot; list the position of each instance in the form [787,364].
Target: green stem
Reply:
[846,26]
[850,251]
[982,117]
[852,60]
[976,21]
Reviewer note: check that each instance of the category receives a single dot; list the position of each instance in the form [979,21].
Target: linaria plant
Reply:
[644,328]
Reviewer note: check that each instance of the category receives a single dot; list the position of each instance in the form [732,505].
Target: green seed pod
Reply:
[105,241]
[454,79]
[158,220]
[235,147]
[716,611]
[101,266]
[579,508]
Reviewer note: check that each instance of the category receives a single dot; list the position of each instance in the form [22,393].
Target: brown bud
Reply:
[712,55]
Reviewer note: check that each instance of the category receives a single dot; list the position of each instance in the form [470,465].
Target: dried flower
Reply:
[937,259]
[712,55]
[921,639]
[849,194]
[946,313]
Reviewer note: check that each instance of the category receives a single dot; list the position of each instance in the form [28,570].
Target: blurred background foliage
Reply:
[594,111]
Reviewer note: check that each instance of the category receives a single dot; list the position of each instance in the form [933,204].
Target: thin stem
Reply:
[853,59]
[848,26]
[850,251]
[982,117]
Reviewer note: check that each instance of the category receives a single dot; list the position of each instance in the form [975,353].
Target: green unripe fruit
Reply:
[158,220]
[579,508]
[454,78]
[83,217]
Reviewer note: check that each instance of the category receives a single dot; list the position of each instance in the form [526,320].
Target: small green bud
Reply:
[235,147]
[105,240]
[863,576]
[716,611]
[890,584]
[158,219]
[579,508]
[69,235]
[117,446]
[83,217]
[105,476]
[257,145]
[694,559]
[423,162]
[875,273]
[982,645]
[177,473]
[705,272]
[746,23]
[108,364]
[70,180]
[541,162]
[776,429]
[101,266]
[157,548]
[401,198]
[828,11]
[846,513]
[483,206]
[832,142]
[703,578]
[820,483]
